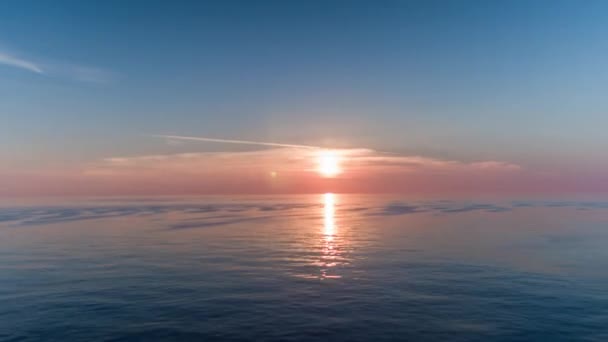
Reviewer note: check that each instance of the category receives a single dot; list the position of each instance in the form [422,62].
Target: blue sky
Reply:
[520,81]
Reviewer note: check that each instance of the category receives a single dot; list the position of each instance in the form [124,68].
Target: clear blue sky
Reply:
[522,81]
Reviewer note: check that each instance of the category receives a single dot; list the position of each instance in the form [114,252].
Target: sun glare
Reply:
[329,164]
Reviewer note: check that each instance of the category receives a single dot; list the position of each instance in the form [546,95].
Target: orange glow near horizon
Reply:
[329,164]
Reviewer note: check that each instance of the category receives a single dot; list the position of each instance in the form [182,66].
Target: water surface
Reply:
[304,268]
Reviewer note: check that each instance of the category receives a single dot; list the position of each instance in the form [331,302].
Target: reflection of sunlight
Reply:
[328,216]
[331,252]
[327,252]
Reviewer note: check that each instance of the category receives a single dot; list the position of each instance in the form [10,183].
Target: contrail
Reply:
[231,141]
[19,63]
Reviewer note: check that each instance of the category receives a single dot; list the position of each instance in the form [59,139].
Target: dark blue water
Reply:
[304,268]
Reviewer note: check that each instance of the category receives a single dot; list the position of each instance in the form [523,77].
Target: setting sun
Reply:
[329,164]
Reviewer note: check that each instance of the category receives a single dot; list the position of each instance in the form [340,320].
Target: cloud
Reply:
[371,159]
[363,157]
[16,62]
[269,170]
[363,164]
[171,138]
[285,159]
[74,72]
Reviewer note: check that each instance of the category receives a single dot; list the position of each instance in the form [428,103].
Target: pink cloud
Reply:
[288,170]
[284,160]
[292,170]
[283,170]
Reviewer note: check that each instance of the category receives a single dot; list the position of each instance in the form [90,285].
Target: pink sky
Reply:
[292,170]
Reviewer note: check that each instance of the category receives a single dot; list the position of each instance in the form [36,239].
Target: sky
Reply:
[411,96]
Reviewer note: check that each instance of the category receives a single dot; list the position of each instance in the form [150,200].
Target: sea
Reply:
[321,267]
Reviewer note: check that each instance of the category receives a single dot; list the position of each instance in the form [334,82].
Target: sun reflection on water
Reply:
[329,226]
[331,254]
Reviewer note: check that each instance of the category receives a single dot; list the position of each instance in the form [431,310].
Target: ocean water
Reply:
[304,268]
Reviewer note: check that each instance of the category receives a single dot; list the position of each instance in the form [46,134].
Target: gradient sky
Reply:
[473,96]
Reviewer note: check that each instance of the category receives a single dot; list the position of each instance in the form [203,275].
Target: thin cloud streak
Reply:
[364,155]
[293,159]
[74,72]
[232,141]
[9,60]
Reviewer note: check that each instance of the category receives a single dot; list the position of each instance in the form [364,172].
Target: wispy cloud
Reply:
[75,72]
[13,61]
[354,158]
[291,159]
[295,170]
[369,158]
[278,169]
[232,141]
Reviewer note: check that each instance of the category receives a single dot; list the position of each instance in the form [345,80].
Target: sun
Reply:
[329,164]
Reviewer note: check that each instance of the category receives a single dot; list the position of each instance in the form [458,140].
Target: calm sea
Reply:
[304,268]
